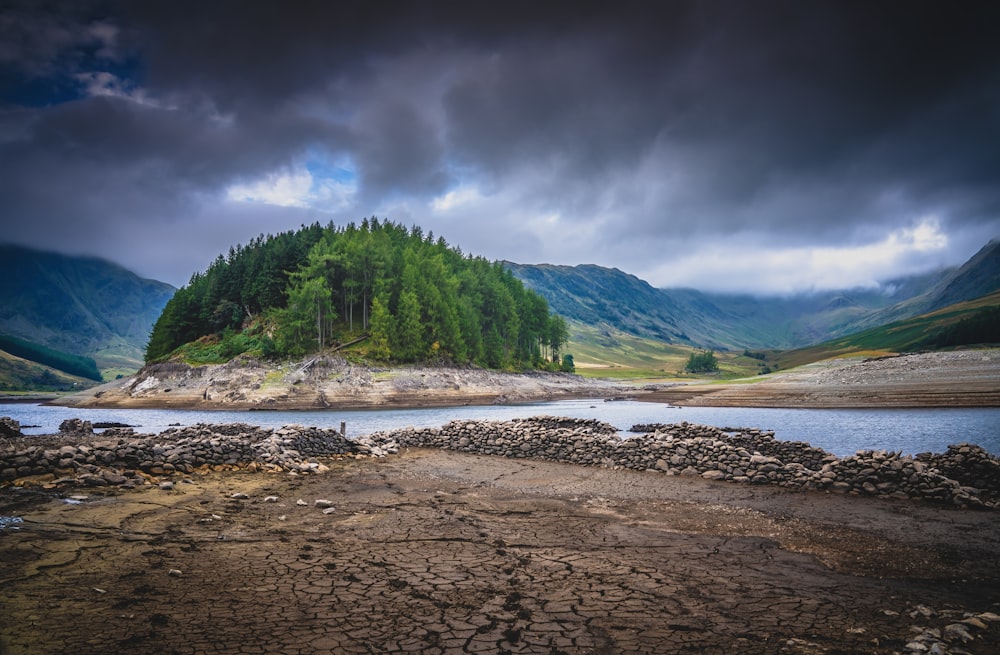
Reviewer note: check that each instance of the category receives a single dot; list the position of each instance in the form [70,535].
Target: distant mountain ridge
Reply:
[608,298]
[80,305]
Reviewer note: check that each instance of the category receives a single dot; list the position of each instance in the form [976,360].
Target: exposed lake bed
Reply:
[441,551]
[394,547]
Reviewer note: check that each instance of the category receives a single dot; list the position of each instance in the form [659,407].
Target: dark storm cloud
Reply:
[630,129]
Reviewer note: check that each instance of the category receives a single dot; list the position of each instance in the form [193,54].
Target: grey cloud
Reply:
[666,123]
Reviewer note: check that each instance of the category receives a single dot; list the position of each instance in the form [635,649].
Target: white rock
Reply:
[957,631]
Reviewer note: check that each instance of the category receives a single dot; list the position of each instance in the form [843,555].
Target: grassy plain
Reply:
[608,353]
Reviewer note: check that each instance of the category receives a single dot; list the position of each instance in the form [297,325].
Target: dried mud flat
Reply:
[441,552]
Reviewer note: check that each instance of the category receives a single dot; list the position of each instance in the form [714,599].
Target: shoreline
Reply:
[331,383]
[963,378]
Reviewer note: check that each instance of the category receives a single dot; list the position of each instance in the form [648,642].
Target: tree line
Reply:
[414,297]
[981,327]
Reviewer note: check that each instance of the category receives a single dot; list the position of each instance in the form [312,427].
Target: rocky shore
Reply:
[965,475]
[328,381]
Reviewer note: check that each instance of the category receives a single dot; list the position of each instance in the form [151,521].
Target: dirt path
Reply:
[443,552]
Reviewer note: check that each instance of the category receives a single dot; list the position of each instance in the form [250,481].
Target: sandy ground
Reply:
[443,552]
[963,378]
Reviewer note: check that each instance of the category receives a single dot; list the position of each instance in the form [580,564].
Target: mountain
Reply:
[975,278]
[79,305]
[613,300]
[608,299]
[592,295]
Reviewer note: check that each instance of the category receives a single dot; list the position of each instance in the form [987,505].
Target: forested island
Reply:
[401,295]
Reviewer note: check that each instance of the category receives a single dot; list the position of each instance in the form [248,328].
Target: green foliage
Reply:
[416,298]
[218,349]
[557,334]
[568,366]
[702,362]
[84,367]
[754,355]
[253,278]
[380,328]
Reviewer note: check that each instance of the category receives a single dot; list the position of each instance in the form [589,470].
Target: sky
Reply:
[767,147]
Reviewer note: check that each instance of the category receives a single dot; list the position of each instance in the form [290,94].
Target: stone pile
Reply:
[9,428]
[752,439]
[739,455]
[579,441]
[966,475]
[968,464]
[76,426]
[121,457]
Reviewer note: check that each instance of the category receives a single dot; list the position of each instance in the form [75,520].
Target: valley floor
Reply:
[444,552]
[962,378]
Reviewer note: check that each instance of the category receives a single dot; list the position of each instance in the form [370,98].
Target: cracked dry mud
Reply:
[441,552]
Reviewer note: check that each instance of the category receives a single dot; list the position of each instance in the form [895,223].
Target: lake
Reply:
[840,431]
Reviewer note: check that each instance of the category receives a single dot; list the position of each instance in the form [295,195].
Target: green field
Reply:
[610,353]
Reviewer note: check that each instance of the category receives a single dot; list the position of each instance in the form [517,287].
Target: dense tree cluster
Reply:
[703,362]
[415,298]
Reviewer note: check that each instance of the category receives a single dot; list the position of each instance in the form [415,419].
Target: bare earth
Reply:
[445,552]
[963,378]
[330,382]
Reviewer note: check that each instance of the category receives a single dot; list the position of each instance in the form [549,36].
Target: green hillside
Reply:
[79,305]
[972,322]
[19,375]
[73,364]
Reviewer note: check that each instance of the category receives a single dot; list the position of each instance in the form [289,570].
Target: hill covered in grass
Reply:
[79,305]
[968,323]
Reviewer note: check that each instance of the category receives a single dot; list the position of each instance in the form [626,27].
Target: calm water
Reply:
[840,431]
